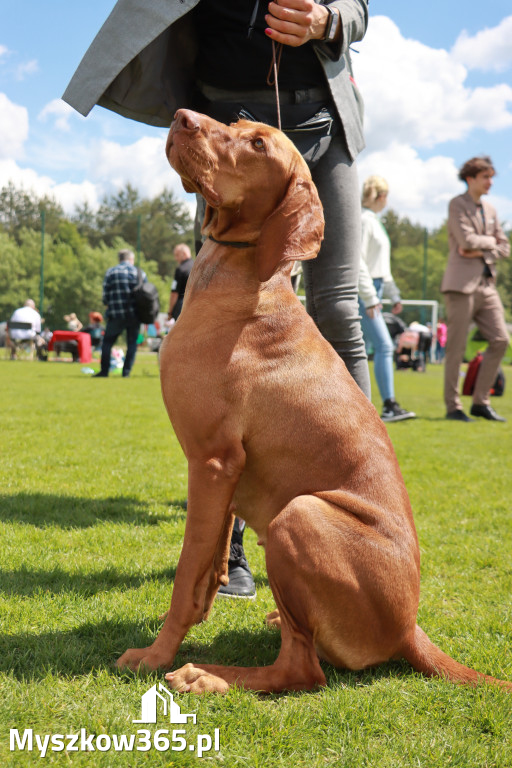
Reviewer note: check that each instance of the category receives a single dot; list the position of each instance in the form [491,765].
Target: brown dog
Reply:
[275,429]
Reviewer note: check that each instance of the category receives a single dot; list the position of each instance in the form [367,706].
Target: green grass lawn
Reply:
[92,514]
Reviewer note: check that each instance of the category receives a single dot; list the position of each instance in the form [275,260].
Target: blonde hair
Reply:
[182,251]
[373,187]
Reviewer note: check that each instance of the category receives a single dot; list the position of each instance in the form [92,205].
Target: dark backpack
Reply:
[498,388]
[146,300]
[472,372]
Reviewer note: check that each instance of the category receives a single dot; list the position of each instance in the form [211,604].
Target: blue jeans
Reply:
[375,331]
[114,328]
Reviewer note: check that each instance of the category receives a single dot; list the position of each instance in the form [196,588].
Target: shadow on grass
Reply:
[43,510]
[78,651]
[94,647]
[26,582]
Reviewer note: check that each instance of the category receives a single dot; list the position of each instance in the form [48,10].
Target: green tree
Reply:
[418,260]
[73,273]
[401,232]
[505,282]
[161,223]
[21,210]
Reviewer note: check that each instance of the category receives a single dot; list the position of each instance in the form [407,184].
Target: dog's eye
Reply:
[259,143]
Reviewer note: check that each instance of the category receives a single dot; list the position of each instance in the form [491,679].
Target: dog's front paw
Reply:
[273,619]
[143,660]
[191,679]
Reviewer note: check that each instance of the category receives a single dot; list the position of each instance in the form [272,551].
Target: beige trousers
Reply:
[484,307]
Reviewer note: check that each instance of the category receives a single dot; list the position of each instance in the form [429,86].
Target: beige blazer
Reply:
[466,231]
[141,64]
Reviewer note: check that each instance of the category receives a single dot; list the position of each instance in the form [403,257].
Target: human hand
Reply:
[373,311]
[295,22]
[397,308]
[471,253]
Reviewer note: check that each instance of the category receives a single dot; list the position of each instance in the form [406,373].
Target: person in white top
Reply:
[376,282]
[25,314]
[28,315]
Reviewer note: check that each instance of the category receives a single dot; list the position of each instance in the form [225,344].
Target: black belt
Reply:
[301,96]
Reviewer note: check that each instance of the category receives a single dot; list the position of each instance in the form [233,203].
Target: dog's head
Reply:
[256,185]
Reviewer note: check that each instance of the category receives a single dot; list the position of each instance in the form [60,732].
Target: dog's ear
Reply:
[294,231]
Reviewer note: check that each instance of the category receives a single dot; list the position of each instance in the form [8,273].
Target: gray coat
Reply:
[141,64]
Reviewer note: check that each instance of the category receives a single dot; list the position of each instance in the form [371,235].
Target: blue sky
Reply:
[436,78]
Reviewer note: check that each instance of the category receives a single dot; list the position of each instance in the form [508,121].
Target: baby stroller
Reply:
[412,349]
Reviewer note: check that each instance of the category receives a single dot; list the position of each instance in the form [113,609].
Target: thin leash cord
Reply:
[272,77]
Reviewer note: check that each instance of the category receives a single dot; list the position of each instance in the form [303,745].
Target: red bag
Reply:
[471,374]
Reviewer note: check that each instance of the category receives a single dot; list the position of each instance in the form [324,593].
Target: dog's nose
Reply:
[187,120]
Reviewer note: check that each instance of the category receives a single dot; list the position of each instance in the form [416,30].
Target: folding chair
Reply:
[20,345]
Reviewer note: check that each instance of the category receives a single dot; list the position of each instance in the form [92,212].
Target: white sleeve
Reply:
[366,289]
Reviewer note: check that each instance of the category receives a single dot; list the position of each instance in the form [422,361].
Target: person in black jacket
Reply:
[185,263]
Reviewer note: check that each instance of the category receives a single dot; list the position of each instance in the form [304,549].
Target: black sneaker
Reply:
[393,412]
[241,582]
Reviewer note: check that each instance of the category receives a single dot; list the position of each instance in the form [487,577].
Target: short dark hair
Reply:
[125,255]
[476,165]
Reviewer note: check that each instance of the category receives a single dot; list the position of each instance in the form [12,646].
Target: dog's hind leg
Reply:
[297,666]
[339,596]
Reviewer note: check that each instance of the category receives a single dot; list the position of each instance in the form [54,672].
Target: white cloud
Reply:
[60,112]
[27,178]
[488,50]
[70,195]
[143,164]
[107,168]
[26,68]
[13,128]
[67,194]
[417,95]
[23,69]
[419,189]
[503,206]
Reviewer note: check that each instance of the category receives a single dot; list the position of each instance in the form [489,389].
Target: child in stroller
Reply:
[412,348]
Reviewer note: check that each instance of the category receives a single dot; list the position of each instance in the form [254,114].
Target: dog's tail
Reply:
[427,658]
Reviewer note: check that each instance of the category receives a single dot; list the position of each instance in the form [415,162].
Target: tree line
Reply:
[77,249]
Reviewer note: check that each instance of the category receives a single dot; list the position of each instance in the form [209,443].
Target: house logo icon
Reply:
[149,705]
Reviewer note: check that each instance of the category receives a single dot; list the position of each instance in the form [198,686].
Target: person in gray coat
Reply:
[216,56]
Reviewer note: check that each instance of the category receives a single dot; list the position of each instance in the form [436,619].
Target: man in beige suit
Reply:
[476,241]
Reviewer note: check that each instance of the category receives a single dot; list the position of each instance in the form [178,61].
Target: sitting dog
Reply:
[276,430]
